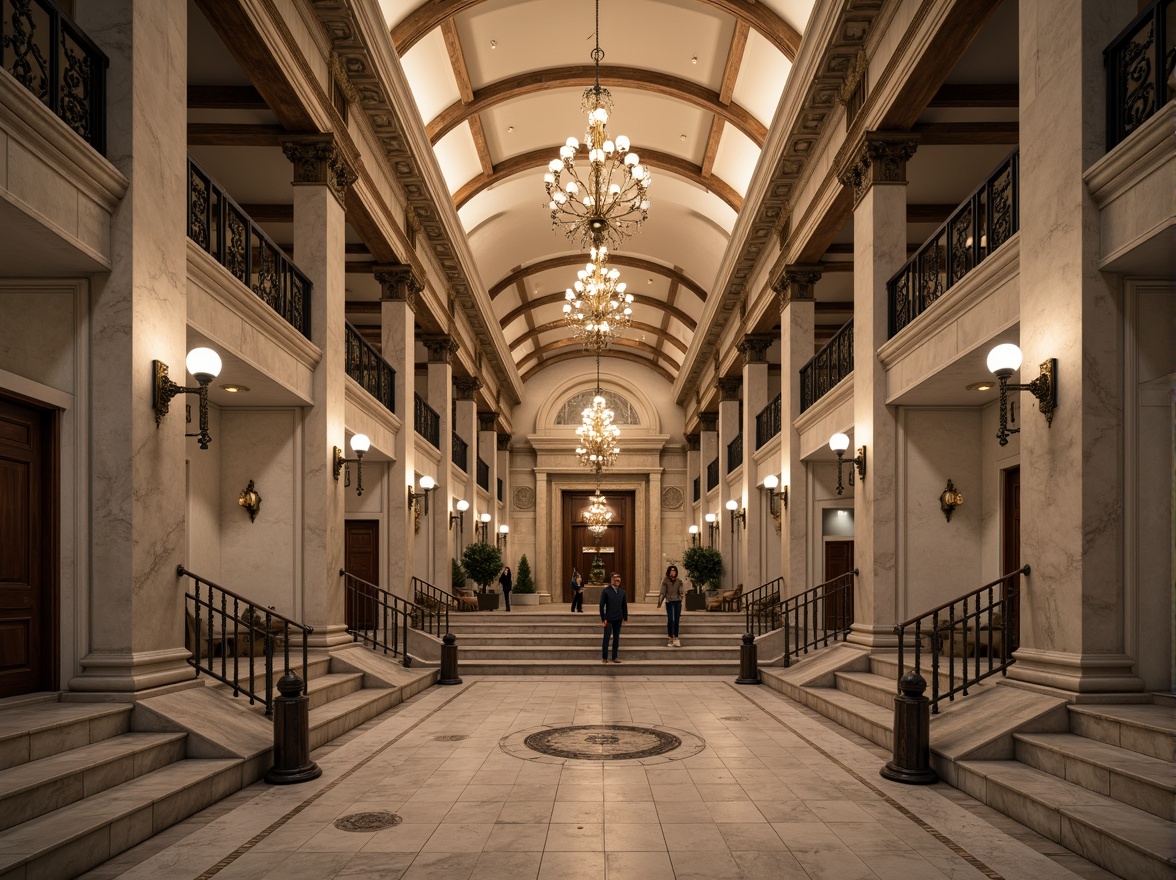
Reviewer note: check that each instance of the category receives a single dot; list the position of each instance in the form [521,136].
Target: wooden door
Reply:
[1011,544]
[28,548]
[617,549]
[361,554]
[838,561]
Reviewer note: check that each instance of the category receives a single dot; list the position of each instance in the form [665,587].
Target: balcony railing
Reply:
[500,488]
[697,488]
[712,474]
[735,453]
[461,453]
[982,223]
[767,422]
[426,421]
[220,227]
[1139,63]
[832,364]
[51,57]
[483,474]
[365,366]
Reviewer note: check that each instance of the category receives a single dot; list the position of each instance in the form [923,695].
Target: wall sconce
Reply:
[1003,361]
[251,500]
[359,445]
[777,501]
[950,499]
[736,514]
[503,532]
[459,517]
[205,365]
[712,522]
[694,538]
[428,484]
[839,443]
[484,528]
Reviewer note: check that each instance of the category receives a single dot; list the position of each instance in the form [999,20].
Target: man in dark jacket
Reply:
[614,610]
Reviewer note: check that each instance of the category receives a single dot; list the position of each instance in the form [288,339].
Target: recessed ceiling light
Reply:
[494,44]
[981,386]
[234,389]
[694,59]
[682,137]
[510,128]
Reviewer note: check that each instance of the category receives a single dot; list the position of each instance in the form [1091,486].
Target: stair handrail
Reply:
[423,590]
[221,620]
[808,615]
[759,607]
[968,627]
[380,619]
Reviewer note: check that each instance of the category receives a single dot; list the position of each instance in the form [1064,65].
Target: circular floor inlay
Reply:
[602,742]
[450,737]
[367,821]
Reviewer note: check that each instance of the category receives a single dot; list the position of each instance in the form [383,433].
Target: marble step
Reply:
[868,686]
[75,838]
[347,712]
[1140,781]
[585,624]
[31,789]
[591,636]
[1124,840]
[560,653]
[627,666]
[36,730]
[1149,729]
[863,717]
[886,665]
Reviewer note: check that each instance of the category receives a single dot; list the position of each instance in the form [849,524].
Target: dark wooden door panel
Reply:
[618,549]
[361,555]
[838,560]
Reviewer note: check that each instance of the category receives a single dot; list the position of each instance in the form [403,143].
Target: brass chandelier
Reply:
[597,436]
[597,308]
[598,516]
[604,201]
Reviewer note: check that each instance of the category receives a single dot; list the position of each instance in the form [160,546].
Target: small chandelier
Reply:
[597,308]
[598,516]
[597,437]
[609,201]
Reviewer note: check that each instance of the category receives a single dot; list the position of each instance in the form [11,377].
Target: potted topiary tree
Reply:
[704,568]
[483,563]
[524,585]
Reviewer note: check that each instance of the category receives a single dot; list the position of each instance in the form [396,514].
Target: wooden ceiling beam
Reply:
[559,324]
[638,300]
[222,134]
[225,98]
[614,259]
[955,134]
[525,374]
[734,60]
[630,345]
[976,95]
[712,148]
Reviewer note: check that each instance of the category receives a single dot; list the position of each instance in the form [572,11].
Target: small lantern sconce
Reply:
[777,500]
[483,527]
[736,514]
[202,363]
[428,484]
[694,539]
[459,517]
[251,500]
[1003,361]
[503,532]
[950,499]
[712,521]
[839,443]
[359,445]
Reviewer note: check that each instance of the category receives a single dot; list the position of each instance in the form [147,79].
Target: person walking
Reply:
[577,592]
[614,610]
[671,594]
[505,581]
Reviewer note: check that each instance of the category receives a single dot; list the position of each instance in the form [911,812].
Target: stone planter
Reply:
[524,598]
[695,601]
[488,601]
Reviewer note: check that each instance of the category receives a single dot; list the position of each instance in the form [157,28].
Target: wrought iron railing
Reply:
[974,636]
[712,474]
[735,453]
[483,475]
[461,453]
[51,57]
[1139,66]
[983,222]
[767,422]
[227,634]
[830,365]
[437,602]
[500,488]
[761,607]
[697,488]
[818,616]
[364,364]
[377,618]
[219,226]
[427,421]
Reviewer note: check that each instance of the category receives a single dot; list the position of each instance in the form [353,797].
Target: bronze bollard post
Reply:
[449,660]
[911,762]
[748,664]
[292,734]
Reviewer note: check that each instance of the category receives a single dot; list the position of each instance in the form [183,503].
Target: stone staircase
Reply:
[1100,779]
[561,643]
[80,782]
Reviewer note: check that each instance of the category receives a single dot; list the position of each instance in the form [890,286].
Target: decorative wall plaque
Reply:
[671,498]
[524,498]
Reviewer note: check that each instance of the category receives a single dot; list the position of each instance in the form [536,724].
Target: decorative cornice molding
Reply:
[318,161]
[853,76]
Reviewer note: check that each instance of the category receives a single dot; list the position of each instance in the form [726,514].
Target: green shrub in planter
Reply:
[457,576]
[704,567]
[483,563]
[524,582]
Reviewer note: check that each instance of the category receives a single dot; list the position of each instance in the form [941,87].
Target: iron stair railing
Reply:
[761,607]
[817,616]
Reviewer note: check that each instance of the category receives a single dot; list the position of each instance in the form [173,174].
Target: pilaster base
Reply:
[1077,677]
[876,638]
[132,672]
[330,636]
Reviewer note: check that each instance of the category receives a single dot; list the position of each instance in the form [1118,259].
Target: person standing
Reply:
[505,581]
[671,594]
[614,610]
[577,592]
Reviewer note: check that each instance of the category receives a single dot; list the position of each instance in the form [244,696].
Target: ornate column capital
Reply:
[465,387]
[398,283]
[754,348]
[318,161]
[797,283]
[504,442]
[728,388]
[708,421]
[486,420]
[693,442]
[879,157]
[441,348]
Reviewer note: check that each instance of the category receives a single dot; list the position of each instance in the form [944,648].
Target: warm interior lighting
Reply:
[839,443]
[459,517]
[360,443]
[205,365]
[1003,361]
[736,514]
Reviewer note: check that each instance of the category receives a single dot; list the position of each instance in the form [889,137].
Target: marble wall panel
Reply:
[1139,211]
[814,436]
[42,189]
[202,475]
[994,460]
[37,332]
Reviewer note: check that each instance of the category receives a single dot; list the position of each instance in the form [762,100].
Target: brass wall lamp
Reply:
[950,499]
[459,517]
[1003,361]
[503,534]
[712,522]
[419,500]
[205,365]
[695,540]
[777,500]
[736,514]
[483,527]
[839,443]
[359,445]
[251,500]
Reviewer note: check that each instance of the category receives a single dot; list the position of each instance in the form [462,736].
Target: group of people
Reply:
[614,609]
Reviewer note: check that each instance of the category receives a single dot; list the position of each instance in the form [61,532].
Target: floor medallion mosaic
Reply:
[602,742]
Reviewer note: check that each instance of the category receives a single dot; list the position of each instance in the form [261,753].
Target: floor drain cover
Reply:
[450,737]
[367,821]
[602,742]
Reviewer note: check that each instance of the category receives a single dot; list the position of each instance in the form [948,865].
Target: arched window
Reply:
[571,413]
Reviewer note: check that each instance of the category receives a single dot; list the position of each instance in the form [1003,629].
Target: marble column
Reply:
[656,564]
[503,505]
[465,423]
[439,394]
[321,178]
[876,169]
[399,286]
[694,473]
[759,528]
[548,577]
[488,452]
[732,541]
[135,605]
[1073,606]
[708,451]
[796,291]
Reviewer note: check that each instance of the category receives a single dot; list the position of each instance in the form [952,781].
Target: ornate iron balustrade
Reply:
[982,223]
[735,453]
[830,365]
[500,488]
[818,616]
[54,59]
[767,422]
[712,474]
[697,488]
[483,474]
[426,421]
[437,602]
[228,634]
[1139,64]
[378,619]
[983,622]
[364,364]
[761,607]
[218,225]
[461,453]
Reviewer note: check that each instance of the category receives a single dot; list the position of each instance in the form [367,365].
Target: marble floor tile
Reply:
[517,838]
[633,837]
[442,866]
[639,866]
[690,865]
[525,812]
[505,865]
[571,866]
[694,836]
[578,812]
[574,838]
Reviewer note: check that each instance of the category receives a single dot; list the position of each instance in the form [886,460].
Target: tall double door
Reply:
[616,550]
